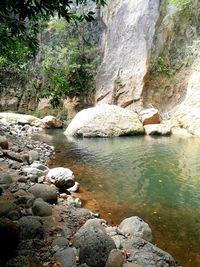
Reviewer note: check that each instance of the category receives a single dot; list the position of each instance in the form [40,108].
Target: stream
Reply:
[156,178]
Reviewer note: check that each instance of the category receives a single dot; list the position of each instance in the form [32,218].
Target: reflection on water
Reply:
[155,178]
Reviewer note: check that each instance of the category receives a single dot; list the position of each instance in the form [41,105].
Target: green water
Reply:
[155,178]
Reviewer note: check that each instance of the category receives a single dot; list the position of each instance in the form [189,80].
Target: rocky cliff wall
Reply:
[129,28]
[148,52]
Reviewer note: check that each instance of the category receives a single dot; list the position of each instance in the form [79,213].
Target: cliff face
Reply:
[129,28]
[149,48]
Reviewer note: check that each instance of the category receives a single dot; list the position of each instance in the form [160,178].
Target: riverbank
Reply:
[45,232]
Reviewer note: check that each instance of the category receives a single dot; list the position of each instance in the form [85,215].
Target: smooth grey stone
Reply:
[136,227]
[41,208]
[46,192]
[66,257]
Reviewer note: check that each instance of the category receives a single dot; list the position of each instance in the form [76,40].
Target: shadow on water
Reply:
[157,179]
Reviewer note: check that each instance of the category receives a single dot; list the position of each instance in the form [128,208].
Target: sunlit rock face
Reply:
[105,121]
[187,116]
[129,28]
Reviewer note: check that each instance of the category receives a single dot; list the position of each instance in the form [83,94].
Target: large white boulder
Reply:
[105,121]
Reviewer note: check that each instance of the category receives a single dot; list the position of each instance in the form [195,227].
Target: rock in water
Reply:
[51,122]
[157,129]
[105,121]
[61,177]
[146,254]
[136,227]
[150,116]
[95,246]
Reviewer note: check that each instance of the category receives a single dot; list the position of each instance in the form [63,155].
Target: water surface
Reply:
[157,179]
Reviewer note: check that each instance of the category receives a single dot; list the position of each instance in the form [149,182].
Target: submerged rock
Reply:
[136,227]
[105,121]
[146,254]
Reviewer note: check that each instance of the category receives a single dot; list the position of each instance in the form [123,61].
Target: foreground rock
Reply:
[94,245]
[46,192]
[105,121]
[136,227]
[146,254]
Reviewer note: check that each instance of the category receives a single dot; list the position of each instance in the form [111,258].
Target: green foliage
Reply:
[182,4]
[20,23]
[68,64]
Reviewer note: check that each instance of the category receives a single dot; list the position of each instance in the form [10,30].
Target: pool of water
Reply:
[157,179]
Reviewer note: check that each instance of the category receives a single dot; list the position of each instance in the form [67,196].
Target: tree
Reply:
[20,21]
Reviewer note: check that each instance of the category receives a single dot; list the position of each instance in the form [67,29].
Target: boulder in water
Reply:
[105,121]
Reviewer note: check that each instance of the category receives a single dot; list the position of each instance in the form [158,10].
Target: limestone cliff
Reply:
[148,52]
[129,28]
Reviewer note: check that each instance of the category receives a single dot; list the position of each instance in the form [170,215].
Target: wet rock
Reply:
[95,246]
[105,121]
[66,257]
[157,129]
[46,192]
[10,236]
[136,227]
[61,177]
[31,227]
[146,254]
[150,116]
[115,259]
[3,142]
[5,178]
[41,208]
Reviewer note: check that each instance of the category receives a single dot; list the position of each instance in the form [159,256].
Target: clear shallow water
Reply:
[155,178]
